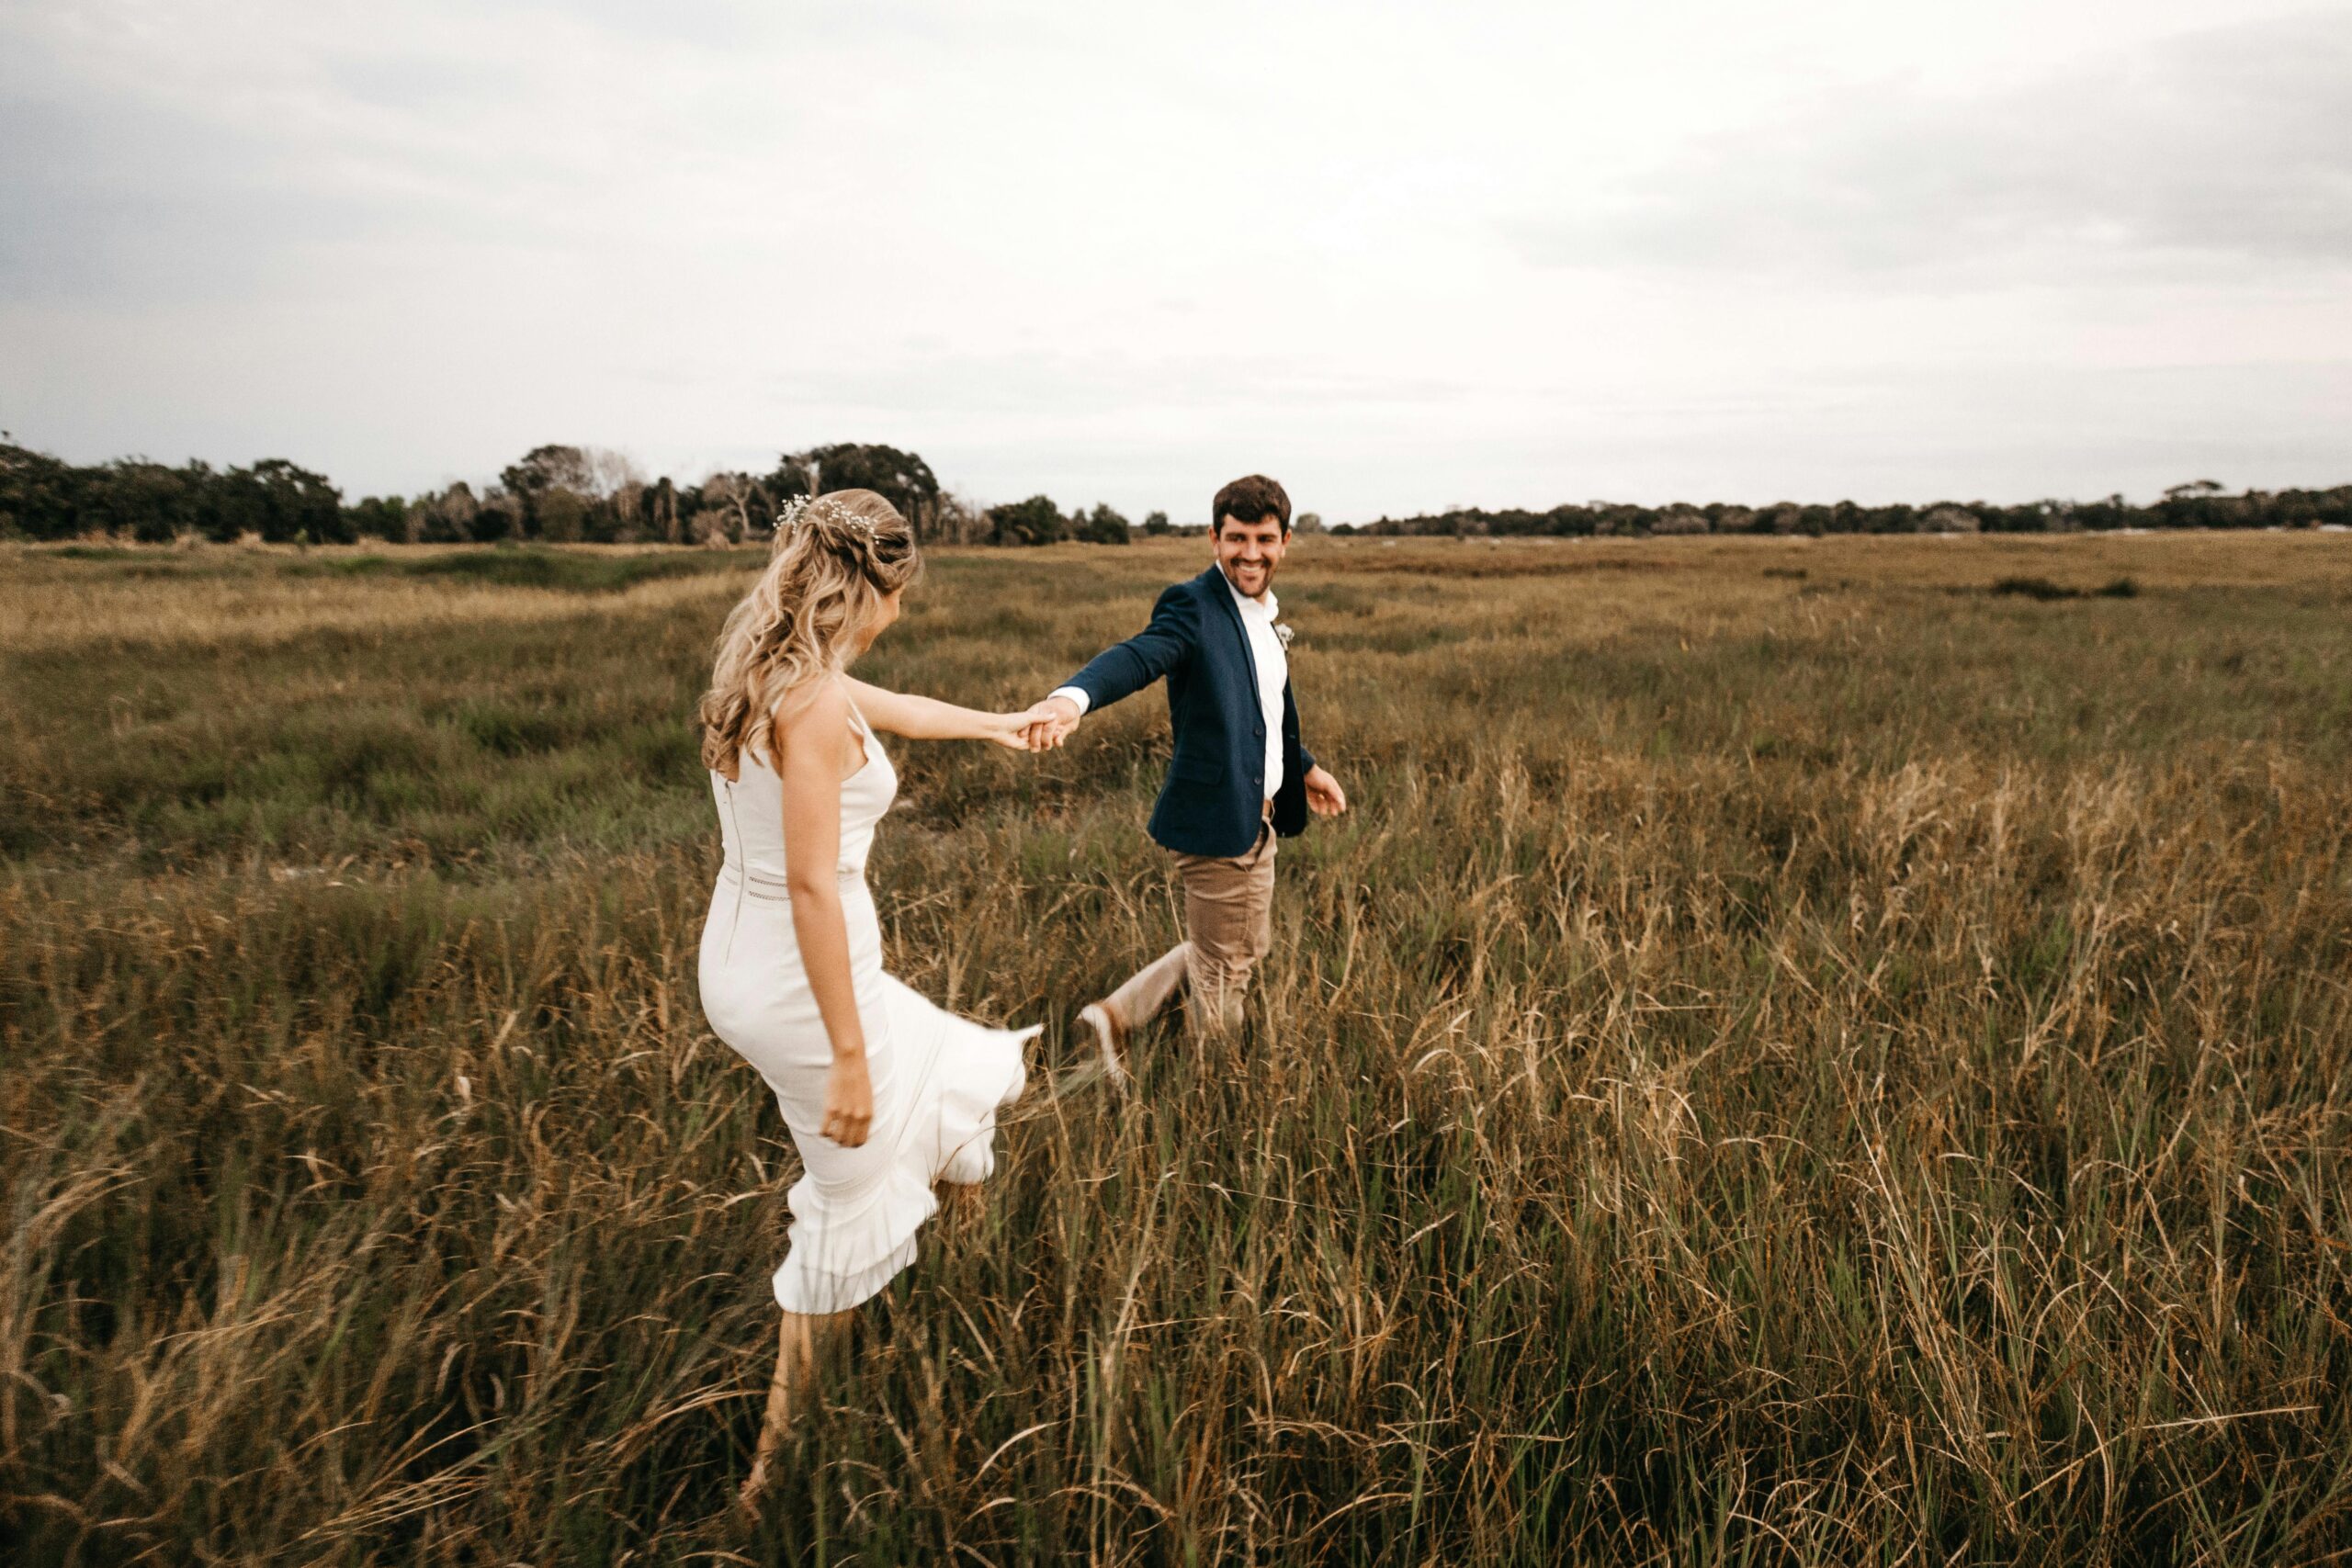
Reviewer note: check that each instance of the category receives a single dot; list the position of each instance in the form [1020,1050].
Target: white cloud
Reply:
[1399,254]
[2221,155]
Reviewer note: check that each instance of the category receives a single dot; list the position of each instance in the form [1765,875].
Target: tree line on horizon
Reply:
[2199,504]
[553,494]
[561,495]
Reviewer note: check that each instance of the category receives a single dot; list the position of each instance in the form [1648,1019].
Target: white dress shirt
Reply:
[1258,617]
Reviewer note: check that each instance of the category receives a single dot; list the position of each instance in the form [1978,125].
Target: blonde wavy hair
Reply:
[834,560]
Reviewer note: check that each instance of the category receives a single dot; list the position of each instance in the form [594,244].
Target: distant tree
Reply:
[902,478]
[444,518]
[1155,524]
[612,510]
[1307,522]
[795,474]
[2312,508]
[743,500]
[543,472]
[2195,504]
[672,510]
[147,501]
[381,517]
[497,517]
[960,522]
[609,472]
[39,494]
[621,516]
[1036,521]
[562,516]
[1102,526]
[282,502]
[543,468]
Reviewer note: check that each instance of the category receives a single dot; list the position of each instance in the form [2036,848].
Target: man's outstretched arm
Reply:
[1123,669]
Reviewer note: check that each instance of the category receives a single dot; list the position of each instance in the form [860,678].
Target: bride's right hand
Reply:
[849,1102]
[1013,729]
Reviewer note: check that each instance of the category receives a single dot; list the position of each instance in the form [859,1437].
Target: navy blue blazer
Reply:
[1215,791]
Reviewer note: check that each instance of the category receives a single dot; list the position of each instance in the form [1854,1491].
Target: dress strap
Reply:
[855,713]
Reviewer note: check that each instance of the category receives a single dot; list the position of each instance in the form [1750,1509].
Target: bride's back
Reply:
[751,809]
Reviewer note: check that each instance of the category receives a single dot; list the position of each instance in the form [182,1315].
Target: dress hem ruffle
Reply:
[950,1137]
[817,1293]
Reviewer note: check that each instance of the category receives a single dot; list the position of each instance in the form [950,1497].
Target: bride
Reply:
[885,1093]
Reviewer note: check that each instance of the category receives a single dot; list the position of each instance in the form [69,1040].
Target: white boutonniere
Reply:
[1283,632]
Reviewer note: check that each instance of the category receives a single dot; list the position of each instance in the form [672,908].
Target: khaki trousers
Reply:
[1229,927]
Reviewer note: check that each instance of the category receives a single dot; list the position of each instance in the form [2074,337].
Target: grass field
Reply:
[1796,1056]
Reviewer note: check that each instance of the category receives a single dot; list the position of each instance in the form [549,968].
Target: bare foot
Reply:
[800,1337]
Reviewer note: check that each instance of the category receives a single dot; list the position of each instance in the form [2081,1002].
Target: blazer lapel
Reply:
[1222,591]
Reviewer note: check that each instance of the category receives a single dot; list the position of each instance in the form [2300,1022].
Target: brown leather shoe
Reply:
[1113,1037]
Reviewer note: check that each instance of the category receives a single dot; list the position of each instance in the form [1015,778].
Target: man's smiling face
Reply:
[1250,553]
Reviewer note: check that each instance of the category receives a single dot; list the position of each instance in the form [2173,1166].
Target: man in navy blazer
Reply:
[1240,778]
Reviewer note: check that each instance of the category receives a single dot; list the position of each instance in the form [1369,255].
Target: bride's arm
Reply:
[812,742]
[927,718]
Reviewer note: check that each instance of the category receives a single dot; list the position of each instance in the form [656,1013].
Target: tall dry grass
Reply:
[1795,1057]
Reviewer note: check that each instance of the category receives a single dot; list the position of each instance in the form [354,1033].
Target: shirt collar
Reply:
[1265,604]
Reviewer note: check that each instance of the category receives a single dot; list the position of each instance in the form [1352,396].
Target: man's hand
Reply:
[1050,723]
[1008,729]
[1324,795]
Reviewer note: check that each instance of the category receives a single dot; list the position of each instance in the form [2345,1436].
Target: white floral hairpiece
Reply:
[793,511]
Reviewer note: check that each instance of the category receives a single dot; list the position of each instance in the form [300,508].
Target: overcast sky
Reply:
[1399,256]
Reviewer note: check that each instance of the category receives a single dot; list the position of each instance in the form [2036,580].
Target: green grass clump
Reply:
[539,567]
[2043,589]
[1781,1064]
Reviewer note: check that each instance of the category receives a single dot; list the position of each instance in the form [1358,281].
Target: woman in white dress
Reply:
[885,1093]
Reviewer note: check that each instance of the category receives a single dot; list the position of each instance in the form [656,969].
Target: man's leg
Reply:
[1229,923]
[1147,991]
[1229,915]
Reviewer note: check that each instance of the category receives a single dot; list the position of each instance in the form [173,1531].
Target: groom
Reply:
[1239,776]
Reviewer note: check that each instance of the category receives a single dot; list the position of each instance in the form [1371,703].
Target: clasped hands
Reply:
[1039,727]
[1046,725]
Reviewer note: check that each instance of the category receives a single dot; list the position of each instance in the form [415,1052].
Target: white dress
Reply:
[938,1079]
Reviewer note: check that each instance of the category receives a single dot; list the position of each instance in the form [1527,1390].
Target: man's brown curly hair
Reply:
[1251,499]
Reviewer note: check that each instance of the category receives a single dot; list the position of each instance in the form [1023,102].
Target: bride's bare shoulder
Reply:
[810,701]
[811,713]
